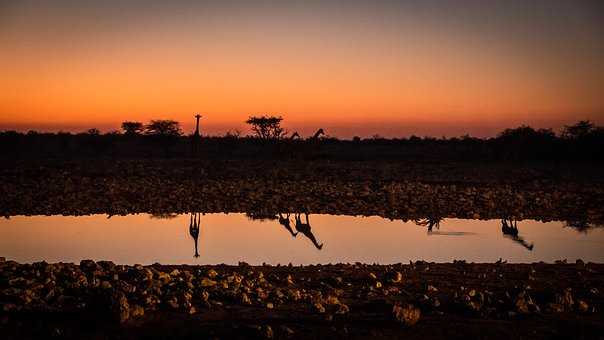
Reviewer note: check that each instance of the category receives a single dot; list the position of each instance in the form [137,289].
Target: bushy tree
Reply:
[266,127]
[525,132]
[579,130]
[163,127]
[132,128]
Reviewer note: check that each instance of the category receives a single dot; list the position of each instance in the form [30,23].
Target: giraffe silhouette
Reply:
[195,139]
[285,222]
[509,228]
[304,228]
[194,229]
[307,149]
[317,134]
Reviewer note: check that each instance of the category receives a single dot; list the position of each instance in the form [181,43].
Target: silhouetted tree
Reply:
[166,128]
[132,128]
[579,130]
[266,127]
[524,142]
[526,133]
[93,131]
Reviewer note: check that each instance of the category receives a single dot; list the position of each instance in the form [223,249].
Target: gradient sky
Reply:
[351,67]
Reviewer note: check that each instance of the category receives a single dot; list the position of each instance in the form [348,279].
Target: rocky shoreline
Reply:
[452,300]
[394,190]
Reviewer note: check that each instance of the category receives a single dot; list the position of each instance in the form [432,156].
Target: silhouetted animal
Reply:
[294,136]
[509,228]
[317,134]
[195,139]
[284,221]
[304,228]
[194,229]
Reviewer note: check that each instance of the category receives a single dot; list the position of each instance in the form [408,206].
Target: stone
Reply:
[318,307]
[121,307]
[408,314]
[212,274]
[397,277]
[342,309]
[582,306]
[206,282]
[137,311]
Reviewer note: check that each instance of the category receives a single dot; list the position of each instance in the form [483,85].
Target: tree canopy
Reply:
[132,128]
[578,130]
[166,128]
[266,127]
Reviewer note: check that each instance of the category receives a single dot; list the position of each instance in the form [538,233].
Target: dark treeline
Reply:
[163,139]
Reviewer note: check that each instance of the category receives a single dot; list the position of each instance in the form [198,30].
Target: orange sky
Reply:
[439,68]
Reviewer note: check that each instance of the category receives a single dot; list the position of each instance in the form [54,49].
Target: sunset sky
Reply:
[351,67]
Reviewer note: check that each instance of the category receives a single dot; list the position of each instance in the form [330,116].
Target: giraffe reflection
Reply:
[430,222]
[304,228]
[194,229]
[509,228]
[285,222]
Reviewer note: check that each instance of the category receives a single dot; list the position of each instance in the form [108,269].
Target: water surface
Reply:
[230,238]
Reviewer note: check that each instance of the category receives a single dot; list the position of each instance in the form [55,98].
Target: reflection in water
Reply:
[509,228]
[230,238]
[285,222]
[301,227]
[434,221]
[161,216]
[304,228]
[581,225]
[430,222]
[194,229]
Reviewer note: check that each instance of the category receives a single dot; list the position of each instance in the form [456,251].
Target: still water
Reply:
[230,238]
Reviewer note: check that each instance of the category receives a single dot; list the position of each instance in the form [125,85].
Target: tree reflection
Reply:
[581,225]
[163,216]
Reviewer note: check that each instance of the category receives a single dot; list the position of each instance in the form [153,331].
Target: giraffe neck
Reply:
[197,127]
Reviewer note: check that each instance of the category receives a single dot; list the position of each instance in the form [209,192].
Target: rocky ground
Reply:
[389,189]
[417,300]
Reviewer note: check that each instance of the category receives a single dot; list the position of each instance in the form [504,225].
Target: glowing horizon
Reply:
[352,67]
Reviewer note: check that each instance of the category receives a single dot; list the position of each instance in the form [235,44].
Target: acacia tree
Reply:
[132,128]
[163,127]
[266,127]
